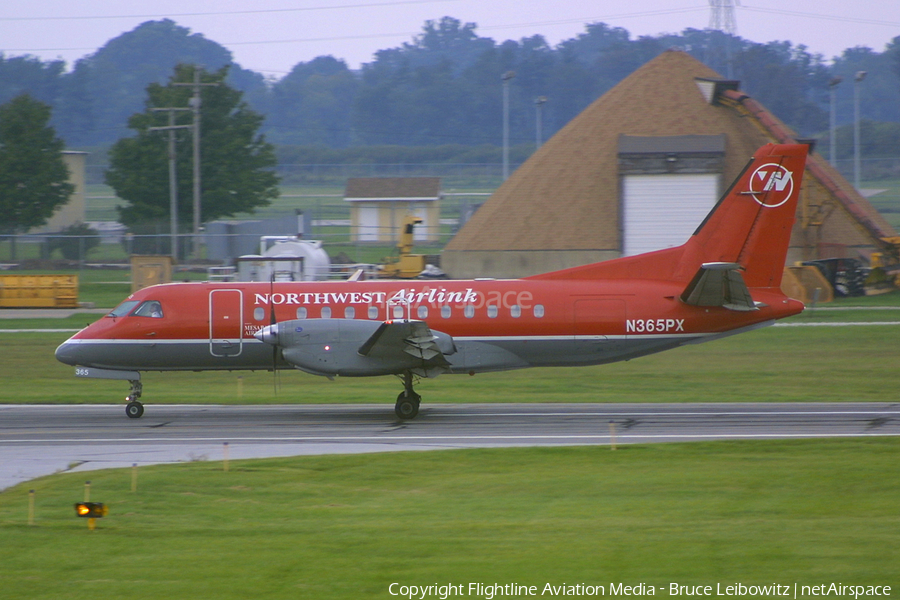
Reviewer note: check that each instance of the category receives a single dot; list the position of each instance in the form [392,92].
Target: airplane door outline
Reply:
[226,322]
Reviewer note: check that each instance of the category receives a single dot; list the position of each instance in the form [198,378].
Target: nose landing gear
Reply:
[134,409]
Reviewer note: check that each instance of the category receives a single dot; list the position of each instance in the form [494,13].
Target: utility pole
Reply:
[173,181]
[195,106]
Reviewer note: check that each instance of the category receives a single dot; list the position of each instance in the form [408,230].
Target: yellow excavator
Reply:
[405,265]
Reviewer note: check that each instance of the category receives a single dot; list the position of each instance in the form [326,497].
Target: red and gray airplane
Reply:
[724,280]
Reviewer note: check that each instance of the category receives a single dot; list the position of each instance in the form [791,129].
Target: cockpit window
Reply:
[150,308]
[123,309]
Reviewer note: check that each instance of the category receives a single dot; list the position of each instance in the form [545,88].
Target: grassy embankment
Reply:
[760,512]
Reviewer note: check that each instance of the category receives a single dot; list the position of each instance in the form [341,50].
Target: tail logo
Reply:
[771,185]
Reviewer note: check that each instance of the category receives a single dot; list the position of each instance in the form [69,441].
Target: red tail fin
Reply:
[751,225]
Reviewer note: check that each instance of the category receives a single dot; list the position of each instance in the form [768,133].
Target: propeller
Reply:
[273,322]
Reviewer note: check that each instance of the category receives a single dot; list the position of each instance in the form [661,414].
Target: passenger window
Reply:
[445,311]
[398,312]
[259,313]
[492,311]
[349,313]
[538,310]
[373,312]
[301,312]
[422,312]
[326,312]
[469,311]
[151,308]
[515,311]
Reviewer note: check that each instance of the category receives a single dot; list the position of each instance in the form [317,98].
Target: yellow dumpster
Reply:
[38,291]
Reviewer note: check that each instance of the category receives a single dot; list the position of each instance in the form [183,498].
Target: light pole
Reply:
[505,78]
[857,79]
[832,89]
[538,126]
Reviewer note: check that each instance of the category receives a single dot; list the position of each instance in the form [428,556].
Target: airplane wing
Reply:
[414,338]
[719,284]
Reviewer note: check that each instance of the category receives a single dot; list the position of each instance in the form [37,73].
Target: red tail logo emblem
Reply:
[771,185]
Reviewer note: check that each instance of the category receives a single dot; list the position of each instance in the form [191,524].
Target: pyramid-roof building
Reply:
[562,207]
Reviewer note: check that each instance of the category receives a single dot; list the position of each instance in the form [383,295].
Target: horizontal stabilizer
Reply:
[414,338]
[719,284]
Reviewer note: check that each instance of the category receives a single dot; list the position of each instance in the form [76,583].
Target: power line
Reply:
[225,12]
[343,38]
[795,13]
[411,34]
[646,13]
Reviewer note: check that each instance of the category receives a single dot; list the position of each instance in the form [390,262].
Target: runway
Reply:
[40,440]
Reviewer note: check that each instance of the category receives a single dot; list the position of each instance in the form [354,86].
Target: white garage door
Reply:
[421,231]
[662,211]
[368,224]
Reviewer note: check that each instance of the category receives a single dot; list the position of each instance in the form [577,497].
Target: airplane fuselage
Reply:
[494,324]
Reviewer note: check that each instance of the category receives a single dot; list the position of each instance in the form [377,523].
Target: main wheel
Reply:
[407,407]
[134,410]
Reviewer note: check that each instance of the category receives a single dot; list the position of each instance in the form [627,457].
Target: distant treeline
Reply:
[443,88]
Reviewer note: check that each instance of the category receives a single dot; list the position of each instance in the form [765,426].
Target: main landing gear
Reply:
[408,401]
[134,409]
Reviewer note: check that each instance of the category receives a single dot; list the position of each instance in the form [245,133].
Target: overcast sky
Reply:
[271,36]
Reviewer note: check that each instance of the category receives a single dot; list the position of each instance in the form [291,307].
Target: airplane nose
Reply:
[268,334]
[66,353]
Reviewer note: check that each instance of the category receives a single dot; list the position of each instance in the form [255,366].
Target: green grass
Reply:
[891,298]
[802,364]
[348,526]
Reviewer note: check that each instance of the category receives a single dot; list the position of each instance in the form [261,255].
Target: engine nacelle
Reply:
[332,347]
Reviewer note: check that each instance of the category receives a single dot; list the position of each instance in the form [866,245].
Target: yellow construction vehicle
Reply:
[405,265]
[886,264]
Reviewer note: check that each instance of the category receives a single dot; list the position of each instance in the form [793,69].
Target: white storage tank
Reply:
[285,258]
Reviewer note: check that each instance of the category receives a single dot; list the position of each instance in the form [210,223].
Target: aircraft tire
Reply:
[407,408]
[134,410]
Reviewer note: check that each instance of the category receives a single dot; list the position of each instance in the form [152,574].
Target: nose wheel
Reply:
[134,409]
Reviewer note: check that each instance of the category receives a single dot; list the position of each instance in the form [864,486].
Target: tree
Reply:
[33,176]
[27,74]
[236,162]
[110,82]
[311,105]
[75,241]
[786,79]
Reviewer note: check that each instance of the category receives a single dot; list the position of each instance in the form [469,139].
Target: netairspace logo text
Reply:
[490,591]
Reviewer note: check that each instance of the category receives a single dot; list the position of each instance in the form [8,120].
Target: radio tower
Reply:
[721,18]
